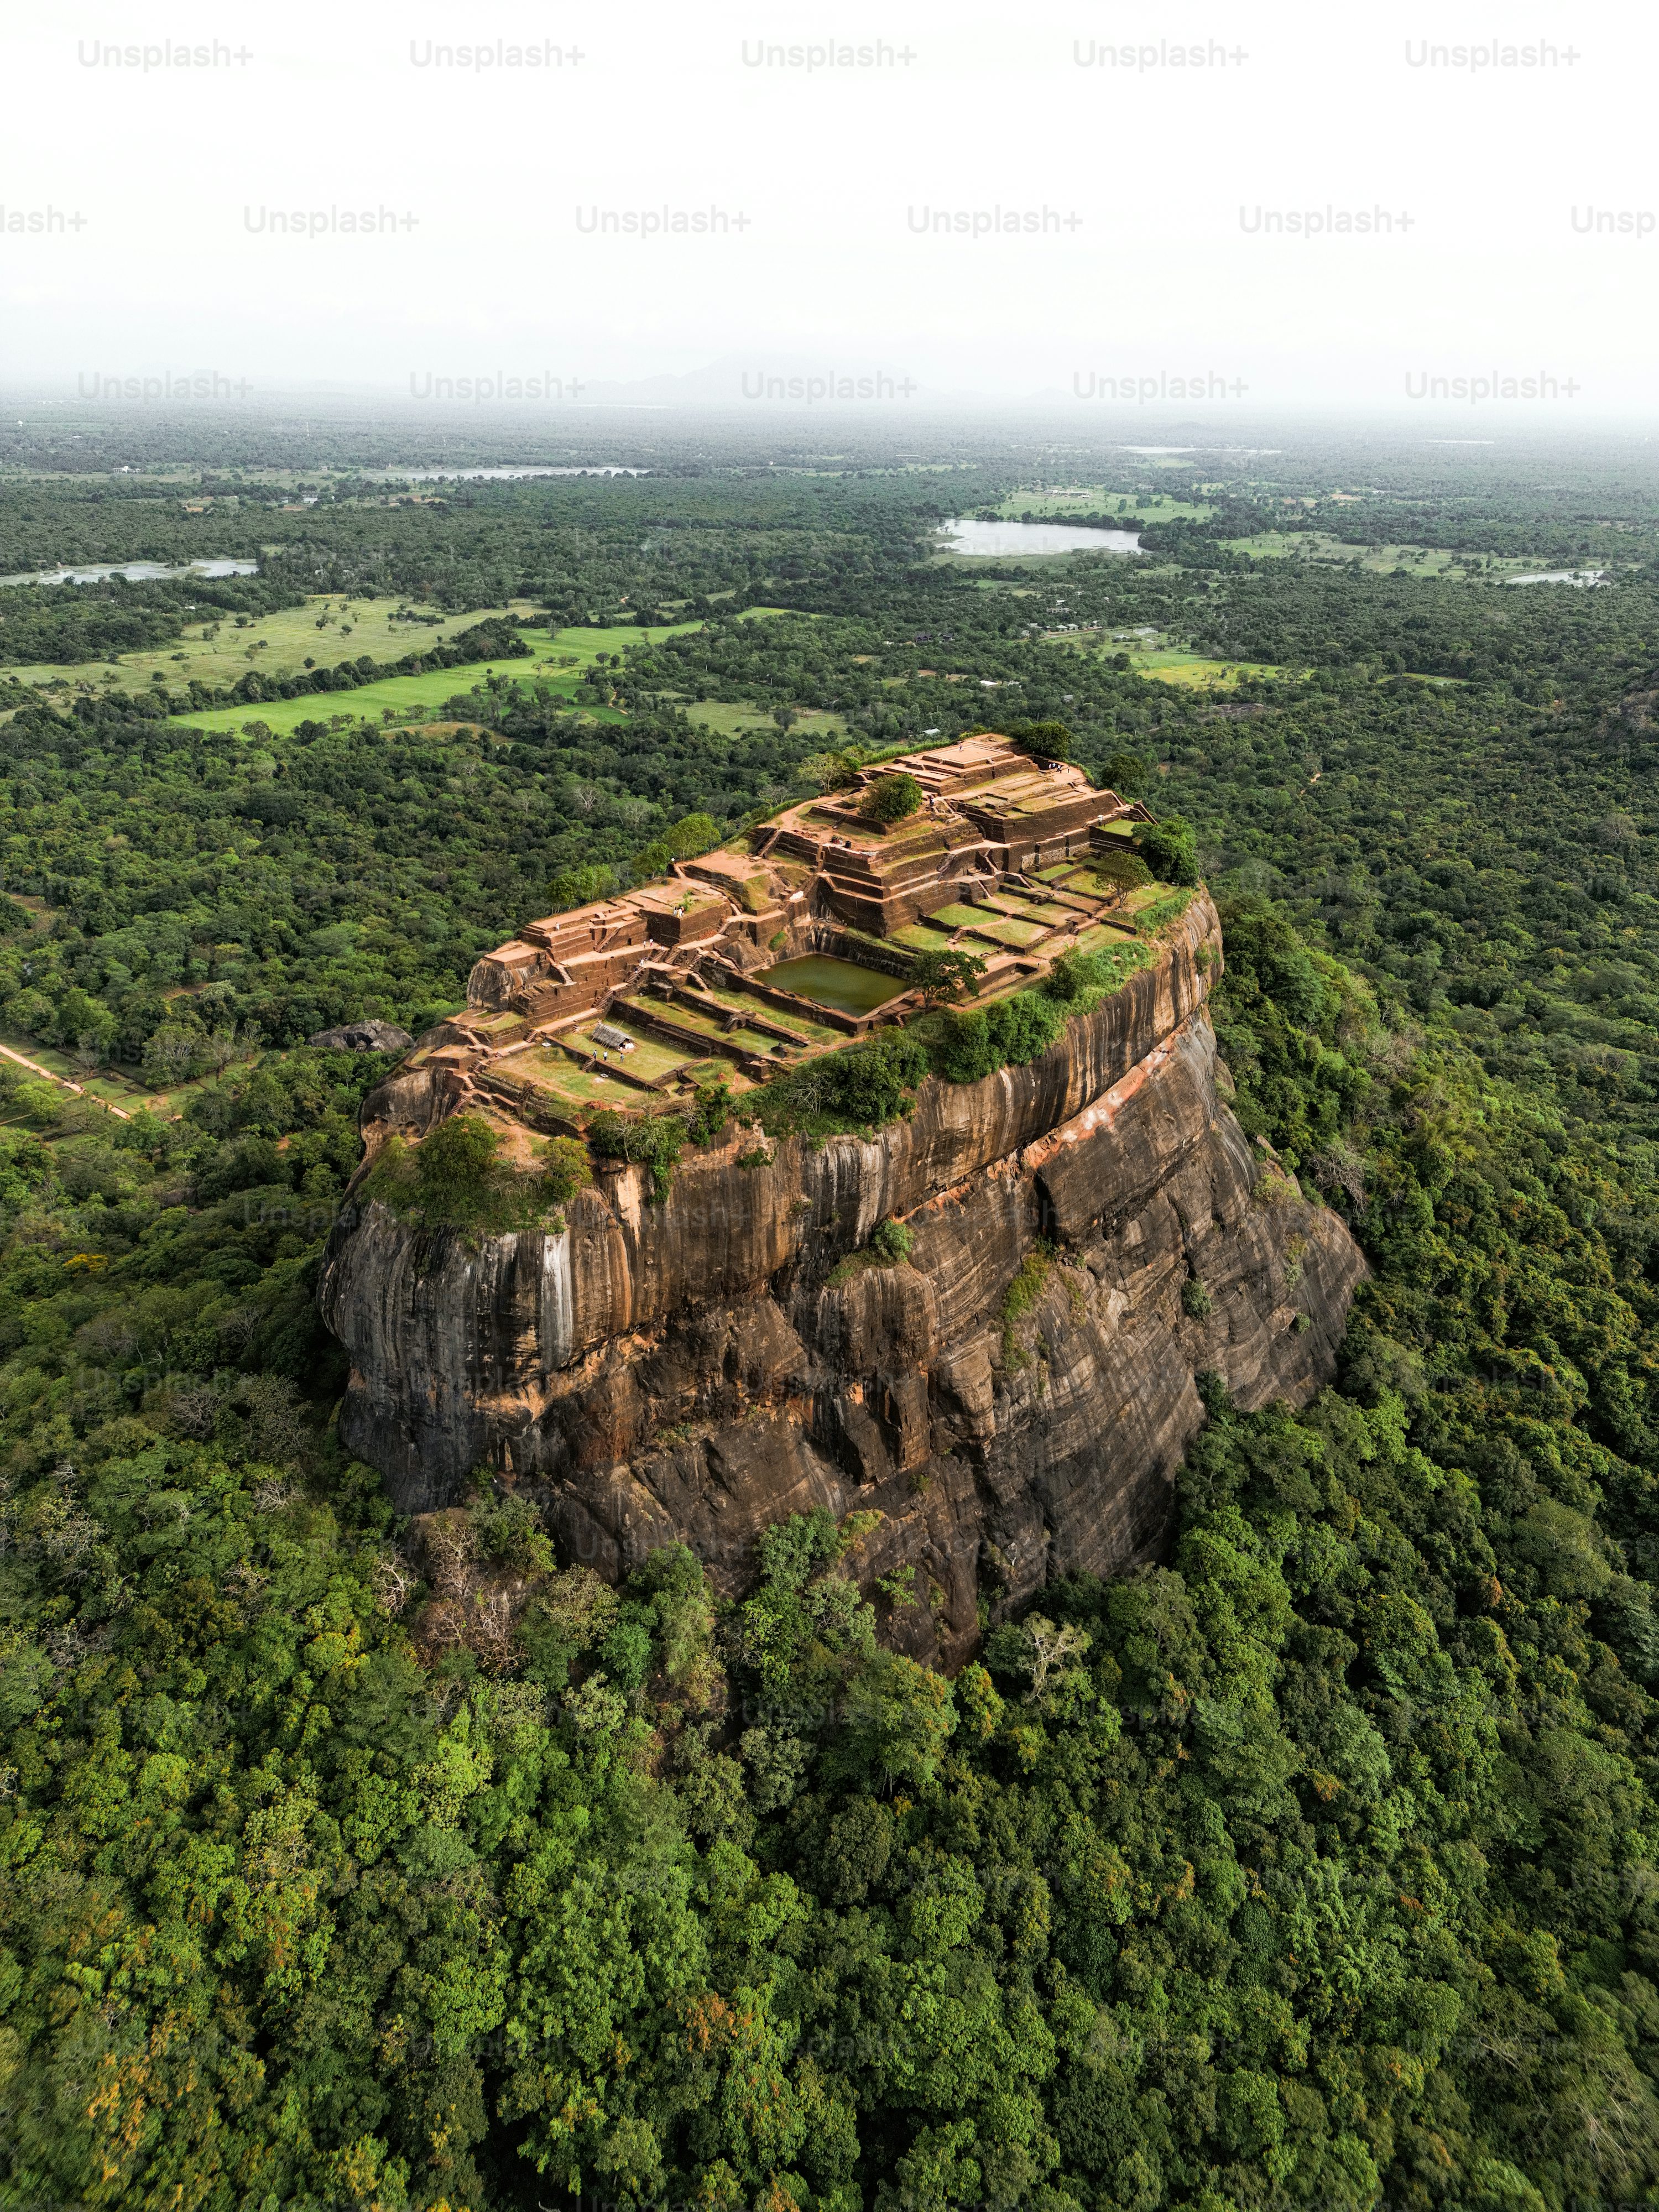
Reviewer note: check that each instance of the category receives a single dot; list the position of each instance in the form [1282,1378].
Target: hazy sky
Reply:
[1314,205]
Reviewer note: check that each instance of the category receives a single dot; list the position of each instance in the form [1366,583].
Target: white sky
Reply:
[169,167]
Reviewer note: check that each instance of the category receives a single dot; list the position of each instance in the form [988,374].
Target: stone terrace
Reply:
[998,862]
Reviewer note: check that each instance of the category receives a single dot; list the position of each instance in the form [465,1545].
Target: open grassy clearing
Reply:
[328,628]
[557,660]
[800,1025]
[1172,665]
[650,1061]
[331,628]
[1058,503]
[1380,560]
[733,719]
[1046,569]
[1170,662]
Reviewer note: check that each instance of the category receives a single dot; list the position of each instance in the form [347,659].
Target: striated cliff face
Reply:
[696,1368]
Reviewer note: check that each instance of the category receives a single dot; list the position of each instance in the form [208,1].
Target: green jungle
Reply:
[1316,1867]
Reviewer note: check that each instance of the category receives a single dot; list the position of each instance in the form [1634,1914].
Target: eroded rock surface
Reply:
[696,1368]
[363,1036]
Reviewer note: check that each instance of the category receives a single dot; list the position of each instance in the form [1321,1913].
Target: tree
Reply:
[170,1055]
[835,771]
[581,886]
[221,1049]
[891,799]
[451,1161]
[945,977]
[1123,770]
[29,1011]
[1042,740]
[1169,849]
[695,834]
[456,1178]
[897,1719]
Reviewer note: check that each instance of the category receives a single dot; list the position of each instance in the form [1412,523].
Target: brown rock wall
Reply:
[694,1370]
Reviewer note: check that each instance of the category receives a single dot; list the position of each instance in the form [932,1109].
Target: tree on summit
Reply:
[945,977]
[1042,740]
[891,799]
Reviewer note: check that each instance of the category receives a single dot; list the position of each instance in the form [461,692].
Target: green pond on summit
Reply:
[828,982]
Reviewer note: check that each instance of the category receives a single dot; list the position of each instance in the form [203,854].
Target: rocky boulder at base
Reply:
[363,1036]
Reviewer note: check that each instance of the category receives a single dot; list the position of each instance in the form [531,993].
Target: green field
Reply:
[555,665]
[733,719]
[327,629]
[1316,545]
[1170,662]
[557,659]
[1059,503]
[1172,665]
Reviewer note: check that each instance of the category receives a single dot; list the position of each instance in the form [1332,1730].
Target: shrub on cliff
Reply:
[974,1044]
[872,1084]
[962,1050]
[890,1245]
[891,1240]
[966,1044]
[456,1178]
[861,1089]
[655,1142]
[711,1109]
[1025,1025]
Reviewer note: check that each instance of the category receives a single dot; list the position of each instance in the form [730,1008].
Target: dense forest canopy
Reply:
[1318,1866]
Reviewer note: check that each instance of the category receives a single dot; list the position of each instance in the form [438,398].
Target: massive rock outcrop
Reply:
[1091,1233]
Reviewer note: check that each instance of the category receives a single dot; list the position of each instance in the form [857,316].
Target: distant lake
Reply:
[1007,538]
[136,572]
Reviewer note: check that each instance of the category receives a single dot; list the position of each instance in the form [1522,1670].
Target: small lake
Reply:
[1011,540]
[828,982]
[136,572]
